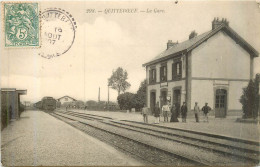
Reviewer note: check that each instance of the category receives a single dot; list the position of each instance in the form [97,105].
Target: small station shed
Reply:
[10,99]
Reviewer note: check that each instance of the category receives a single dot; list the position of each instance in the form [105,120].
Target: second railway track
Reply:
[149,154]
[220,148]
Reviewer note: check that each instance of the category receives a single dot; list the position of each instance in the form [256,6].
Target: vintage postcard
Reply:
[130,83]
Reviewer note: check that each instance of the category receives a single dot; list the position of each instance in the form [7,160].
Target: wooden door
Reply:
[220,103]
[152,101]
[176,97]
[163,97]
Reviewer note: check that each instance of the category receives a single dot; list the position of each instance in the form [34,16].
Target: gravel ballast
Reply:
[188,151]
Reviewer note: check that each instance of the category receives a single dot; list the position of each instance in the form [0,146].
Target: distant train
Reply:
[47,103]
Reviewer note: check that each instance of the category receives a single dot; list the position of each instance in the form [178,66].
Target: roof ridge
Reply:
[66,96]
[178,45]
[190,44]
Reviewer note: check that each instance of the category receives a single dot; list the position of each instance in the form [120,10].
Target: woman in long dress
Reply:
[157,113]
[174,117]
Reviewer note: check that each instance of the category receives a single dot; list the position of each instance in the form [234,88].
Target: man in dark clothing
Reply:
[196,111]
[184,112]
[177,109]
[206,110]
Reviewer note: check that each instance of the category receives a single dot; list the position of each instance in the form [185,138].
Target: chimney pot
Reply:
[193,34]
[170,44]
[216,22]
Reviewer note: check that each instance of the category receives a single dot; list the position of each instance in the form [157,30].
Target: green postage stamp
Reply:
[21,24]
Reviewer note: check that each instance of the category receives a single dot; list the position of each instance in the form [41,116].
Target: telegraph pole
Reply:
[99,94]
[107,97]
[107,94]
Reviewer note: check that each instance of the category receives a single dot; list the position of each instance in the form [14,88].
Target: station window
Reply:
[177,70]
[163,73]
[152,76]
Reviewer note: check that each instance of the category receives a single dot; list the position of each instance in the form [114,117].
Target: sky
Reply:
[104,42]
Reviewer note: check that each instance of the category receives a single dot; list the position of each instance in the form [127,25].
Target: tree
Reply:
[91,103]
[140,97]
[250,98]
[118,81]
[79,104]
[129,100]
[257,95]
[138,102]
[125,101]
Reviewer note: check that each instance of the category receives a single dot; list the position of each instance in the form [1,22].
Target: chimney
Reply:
[193,34]
[216,22]
[170,44]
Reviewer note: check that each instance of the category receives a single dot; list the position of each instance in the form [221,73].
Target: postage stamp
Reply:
[21,24]
[58,29]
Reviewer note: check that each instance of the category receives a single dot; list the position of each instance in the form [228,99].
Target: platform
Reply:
[221,126]
[38,139]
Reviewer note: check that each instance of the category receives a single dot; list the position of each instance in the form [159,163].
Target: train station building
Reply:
[10,100]
[212,67]
[65,99]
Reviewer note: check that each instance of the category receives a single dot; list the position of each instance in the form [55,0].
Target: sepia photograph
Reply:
[130,83]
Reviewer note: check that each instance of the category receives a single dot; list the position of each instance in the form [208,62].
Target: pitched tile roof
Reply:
[182,46]
[194,42]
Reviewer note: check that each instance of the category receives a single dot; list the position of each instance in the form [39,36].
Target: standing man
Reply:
[157,113]
[196,111]
[166,111]
[145,112]
[184,112]
[206,110]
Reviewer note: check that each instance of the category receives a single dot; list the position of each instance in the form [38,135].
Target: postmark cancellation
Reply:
[58,29]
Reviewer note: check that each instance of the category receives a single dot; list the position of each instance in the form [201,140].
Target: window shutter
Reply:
[150,76]
[174,70]
[155,75]
[166,73]
[161,73]
[180,69]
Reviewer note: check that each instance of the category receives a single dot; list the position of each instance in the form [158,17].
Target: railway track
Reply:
[243,153]
[149,154]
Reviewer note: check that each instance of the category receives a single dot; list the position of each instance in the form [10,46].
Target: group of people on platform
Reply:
[173,112]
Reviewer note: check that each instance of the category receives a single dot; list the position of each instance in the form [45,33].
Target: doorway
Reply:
[221,103]
[176,99]
[163,97]
[152,101]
